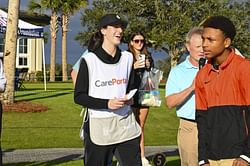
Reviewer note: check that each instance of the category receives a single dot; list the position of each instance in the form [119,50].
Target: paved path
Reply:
[68,154]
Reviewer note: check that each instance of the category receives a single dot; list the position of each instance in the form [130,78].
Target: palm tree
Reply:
[68,8]
[10,49]
[54,6]
[10,56]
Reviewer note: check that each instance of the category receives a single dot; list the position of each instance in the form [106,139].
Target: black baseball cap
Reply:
[112,20]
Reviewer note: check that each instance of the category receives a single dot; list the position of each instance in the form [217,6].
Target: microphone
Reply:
[202,62]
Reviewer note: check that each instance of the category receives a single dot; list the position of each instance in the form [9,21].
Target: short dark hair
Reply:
[222,23]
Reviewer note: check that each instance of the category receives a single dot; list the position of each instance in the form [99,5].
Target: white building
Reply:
[30,44]
[29,53]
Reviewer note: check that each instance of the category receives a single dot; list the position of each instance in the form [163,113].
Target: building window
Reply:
[22,61]
[23,45]
[23,50]
[1,44]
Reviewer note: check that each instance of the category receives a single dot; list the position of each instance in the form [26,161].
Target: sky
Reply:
[74,50]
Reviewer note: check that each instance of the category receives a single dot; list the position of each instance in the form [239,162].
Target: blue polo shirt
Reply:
[77,64]
[180,78]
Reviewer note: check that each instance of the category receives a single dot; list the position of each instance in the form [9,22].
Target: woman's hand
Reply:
[139,64]
[116,103]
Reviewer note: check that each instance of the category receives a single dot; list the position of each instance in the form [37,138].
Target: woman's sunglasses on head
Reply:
[138,41]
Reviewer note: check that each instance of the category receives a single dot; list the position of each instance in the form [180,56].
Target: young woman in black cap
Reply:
[104,78]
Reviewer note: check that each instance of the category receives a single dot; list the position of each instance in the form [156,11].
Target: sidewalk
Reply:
[68,154]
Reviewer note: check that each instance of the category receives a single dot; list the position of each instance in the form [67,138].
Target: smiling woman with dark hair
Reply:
[104,78]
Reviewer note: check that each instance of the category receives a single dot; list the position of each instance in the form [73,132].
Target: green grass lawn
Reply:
[59,126]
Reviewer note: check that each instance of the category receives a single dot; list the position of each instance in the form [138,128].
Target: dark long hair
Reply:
[144,49]
[95,41]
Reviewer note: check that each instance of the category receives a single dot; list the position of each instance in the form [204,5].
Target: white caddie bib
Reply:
[108,81]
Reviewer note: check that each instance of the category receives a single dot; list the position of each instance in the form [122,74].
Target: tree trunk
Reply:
[10,49]
[174,54]
[174,57]
[65,22]
[53,31]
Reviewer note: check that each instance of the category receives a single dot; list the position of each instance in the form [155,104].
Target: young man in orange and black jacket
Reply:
[222,92]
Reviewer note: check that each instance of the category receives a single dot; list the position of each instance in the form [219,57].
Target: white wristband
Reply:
[201,162]
[245,158]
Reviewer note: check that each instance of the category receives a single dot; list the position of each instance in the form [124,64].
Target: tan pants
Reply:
[187,139]
[224,162]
